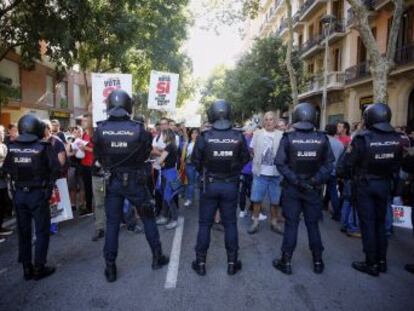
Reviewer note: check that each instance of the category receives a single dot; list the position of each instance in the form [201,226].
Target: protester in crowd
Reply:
[86,165]
[332,185]
[246,177]
[343,132]
[60,150]
[4,197]
[12,134]
[266,178]
[75,181]
[55,126]
[158,146]
[282,125]
[190,169]
[169,180]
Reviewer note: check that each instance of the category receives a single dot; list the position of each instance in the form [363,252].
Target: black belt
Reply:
[28,188]
[232,179]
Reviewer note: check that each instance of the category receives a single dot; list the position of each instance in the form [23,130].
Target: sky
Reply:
[207,49]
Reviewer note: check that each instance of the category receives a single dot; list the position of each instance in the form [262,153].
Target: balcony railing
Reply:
[357,72]
[335,79]
[312,42]
[404,55]
[306,5]
[282,26]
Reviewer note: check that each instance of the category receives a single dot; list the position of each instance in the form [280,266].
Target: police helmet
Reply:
[304,117]
[119,104]
[219,115]
[30,129]
[378,116]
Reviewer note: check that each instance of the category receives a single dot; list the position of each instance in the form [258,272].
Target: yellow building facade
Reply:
[349,84]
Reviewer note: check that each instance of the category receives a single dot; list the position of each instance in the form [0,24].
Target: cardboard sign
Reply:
[163,91]
[60,207]
[102,85]
[402,216]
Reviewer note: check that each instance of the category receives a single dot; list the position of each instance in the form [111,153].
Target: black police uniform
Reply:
[374,158]
[122,146]
[219,154]
[33,167]
[305,160]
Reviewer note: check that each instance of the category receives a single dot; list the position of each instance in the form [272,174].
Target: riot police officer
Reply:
[219,154]
[305,160]
[122,146]
[33,167]
[374,157]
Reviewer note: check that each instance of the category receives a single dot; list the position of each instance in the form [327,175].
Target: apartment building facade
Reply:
[42,92]
[349,84]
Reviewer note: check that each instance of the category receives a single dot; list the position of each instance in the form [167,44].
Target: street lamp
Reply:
[327,22]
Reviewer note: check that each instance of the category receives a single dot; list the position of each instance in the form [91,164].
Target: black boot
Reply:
[158,259]
[110,271]
[409,268]
[382,265]
[42,271]
[199,265]
[318,265]
[28,271]
[368,266]
[234,265]
[284,263]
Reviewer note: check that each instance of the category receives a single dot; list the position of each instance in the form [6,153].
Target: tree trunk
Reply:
[380,65]
[288,61]
[380,74]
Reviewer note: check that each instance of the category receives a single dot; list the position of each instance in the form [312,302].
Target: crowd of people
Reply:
[174,178]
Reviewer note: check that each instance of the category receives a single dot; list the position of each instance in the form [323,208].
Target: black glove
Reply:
[306,185]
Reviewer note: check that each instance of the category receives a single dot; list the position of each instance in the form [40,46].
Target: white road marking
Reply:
[3,270]
[172,273]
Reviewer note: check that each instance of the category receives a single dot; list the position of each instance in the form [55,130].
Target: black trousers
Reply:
[86,172]
[32,205]
[372,203]
[4,204]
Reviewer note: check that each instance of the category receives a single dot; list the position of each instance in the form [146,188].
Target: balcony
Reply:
[357,72]
[335,82]
[312,46]
[310,7]
[297,24]
[404,55]
[283,28]
[337,31]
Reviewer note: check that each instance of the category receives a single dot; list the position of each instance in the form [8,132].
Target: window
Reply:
[79,95]
[10,75]
[63,95]
[311,68]
[337,60]
[50,91]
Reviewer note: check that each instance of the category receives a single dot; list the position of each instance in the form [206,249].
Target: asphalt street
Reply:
[79,283]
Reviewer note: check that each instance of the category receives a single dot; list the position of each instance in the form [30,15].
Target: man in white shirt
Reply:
[266,178]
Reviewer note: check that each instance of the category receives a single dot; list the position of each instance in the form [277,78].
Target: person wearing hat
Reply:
[121,147]
[305,160]
[374,157]
[219,155]
[33,167]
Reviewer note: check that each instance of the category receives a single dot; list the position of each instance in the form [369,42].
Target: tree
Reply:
[289,50]
[259,81]
[24,24]
[380,66]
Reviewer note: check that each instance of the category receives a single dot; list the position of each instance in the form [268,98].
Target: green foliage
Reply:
[100,35]
[259,82]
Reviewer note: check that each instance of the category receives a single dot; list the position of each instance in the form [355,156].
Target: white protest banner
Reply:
[102,85]
[60,207]
[163,91]
[193,121]
[402,216]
